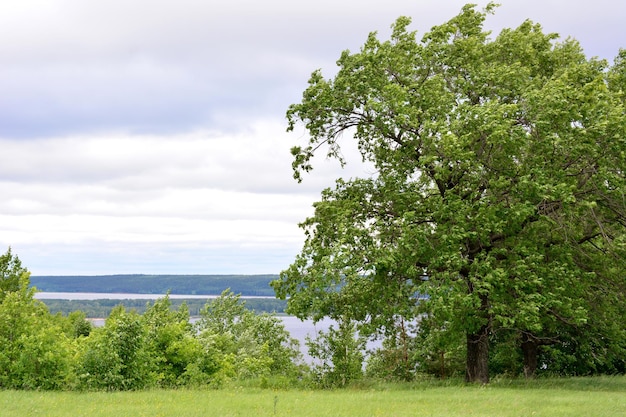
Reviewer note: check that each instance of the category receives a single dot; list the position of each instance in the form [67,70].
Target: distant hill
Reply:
[246,285]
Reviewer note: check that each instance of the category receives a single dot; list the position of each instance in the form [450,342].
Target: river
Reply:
[123,296]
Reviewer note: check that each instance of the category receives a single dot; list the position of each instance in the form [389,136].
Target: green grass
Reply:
[603,396]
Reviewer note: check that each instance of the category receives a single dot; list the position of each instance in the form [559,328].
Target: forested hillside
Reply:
[246,285]
[102,308]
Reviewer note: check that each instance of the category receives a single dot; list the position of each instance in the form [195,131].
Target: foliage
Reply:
[173,349]
[132,351]
[416,349]
[77,324]
[115,357]
[34,353]
[249,345]
[11,271]
[102,307]
[496,208]
[339,355]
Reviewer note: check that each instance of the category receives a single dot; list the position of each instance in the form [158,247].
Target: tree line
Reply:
[246,285]
[229,343]
[159,347]
[102,308]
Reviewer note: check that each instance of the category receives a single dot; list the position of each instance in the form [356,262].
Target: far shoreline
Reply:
[44,295]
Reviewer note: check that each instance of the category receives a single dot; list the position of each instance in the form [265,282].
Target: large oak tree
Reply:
[498,198]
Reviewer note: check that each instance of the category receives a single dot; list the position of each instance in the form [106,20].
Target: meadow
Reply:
[597,396]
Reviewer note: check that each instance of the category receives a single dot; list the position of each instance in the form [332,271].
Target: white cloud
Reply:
[190,191]
[255,159]
[69,66]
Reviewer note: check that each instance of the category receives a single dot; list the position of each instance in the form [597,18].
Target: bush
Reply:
[115,357]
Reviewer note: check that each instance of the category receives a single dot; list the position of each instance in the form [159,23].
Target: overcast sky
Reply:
[148,136]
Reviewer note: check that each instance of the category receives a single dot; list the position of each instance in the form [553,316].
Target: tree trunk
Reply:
[529,350]
[477,367]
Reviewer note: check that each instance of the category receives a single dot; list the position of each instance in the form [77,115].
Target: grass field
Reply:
[605,396]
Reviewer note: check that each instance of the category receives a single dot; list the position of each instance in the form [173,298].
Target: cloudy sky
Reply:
[148,136]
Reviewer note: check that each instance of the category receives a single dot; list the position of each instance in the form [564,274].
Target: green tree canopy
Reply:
[11,271]
[249,344]
[497,203]
[34,351]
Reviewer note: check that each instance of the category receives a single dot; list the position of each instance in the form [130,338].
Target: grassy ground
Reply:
[571,397]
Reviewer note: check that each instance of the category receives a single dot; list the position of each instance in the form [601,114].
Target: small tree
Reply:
[34,352]
[247,345]
[170,343]
[11,271]
[115,357]
[339,355]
